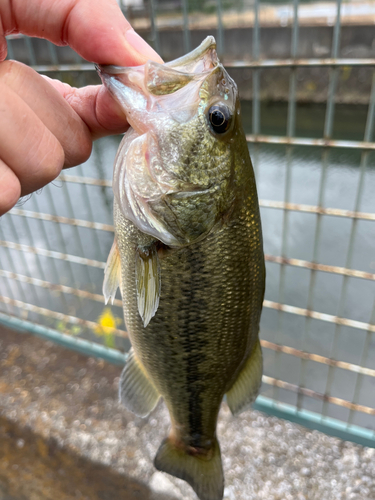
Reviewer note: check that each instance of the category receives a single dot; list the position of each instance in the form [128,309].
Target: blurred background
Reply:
[305,72]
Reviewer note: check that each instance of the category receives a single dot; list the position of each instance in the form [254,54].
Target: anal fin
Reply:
[112,274]
[147,272]
[137,392]
[245,389]
[204,474]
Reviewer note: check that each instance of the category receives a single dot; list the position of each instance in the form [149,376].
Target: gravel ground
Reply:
[69,402]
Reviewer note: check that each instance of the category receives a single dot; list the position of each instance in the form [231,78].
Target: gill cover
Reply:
[150,184]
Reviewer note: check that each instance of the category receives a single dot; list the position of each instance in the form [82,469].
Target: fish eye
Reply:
[219,117]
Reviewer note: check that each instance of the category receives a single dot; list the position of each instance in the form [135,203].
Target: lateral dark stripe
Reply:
[194,333]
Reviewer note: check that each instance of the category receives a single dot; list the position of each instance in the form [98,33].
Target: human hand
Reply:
[46,125]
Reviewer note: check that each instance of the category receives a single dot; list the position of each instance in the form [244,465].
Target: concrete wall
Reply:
[354,83]
[275,42]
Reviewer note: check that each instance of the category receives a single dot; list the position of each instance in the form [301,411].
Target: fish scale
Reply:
[205,307]
[189,261]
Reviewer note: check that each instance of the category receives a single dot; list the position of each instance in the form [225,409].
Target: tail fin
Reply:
[204,475]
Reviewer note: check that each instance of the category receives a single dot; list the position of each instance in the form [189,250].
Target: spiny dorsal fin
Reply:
[112,274]
[147,273]
[245,389]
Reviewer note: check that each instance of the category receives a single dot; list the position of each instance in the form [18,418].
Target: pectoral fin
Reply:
[147,272]
[246,387]
[112,274]
[137,393]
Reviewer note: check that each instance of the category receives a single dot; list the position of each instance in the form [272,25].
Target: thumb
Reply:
[96,29]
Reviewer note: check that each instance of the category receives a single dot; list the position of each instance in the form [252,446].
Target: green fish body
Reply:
[187,256]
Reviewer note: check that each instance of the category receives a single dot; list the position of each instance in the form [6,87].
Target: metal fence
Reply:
[318,324]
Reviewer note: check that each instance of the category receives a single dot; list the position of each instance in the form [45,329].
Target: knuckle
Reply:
[42,162]
[81,150]
[55,162]
[9,66]
[10,69]
[49,159]
[10,191]
[85,151]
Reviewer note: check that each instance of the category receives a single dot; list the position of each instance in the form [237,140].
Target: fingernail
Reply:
[142,46]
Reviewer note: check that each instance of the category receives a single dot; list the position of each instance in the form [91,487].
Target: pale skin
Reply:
[46,125]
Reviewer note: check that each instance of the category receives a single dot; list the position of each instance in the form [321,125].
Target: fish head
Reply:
[174,171]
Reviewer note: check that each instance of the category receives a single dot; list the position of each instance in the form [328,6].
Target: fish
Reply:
[187,255]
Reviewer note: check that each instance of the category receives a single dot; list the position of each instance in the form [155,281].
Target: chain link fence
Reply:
[311,141]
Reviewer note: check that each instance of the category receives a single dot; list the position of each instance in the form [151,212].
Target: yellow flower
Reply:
[106,323]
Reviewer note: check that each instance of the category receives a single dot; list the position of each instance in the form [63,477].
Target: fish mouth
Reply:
[200,60]
[173,89]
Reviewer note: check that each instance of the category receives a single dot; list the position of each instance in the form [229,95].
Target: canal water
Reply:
[299,174]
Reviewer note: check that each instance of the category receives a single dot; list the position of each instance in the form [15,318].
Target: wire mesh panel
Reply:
[308,110]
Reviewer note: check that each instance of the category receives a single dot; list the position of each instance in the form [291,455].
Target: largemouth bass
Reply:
[187,255]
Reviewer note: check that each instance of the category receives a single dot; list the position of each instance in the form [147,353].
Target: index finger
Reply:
[96,29]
